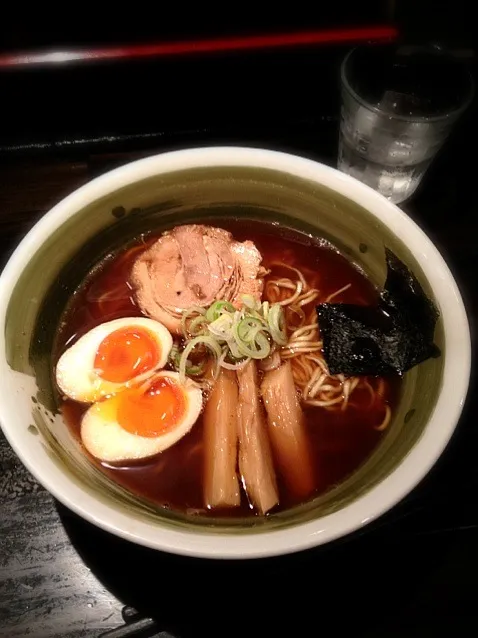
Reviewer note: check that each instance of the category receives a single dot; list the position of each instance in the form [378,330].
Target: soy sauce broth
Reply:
[340,440]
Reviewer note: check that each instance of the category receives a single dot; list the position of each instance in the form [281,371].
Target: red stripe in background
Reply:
[269,41]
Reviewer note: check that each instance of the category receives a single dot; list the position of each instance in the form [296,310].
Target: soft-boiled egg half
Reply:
[111,357]
[142,421]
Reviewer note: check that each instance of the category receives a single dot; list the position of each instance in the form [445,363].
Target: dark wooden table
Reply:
[413,573]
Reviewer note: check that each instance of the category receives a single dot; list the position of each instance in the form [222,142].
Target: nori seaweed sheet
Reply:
[392,337]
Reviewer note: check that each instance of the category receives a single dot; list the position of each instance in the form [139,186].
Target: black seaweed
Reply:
[392,337]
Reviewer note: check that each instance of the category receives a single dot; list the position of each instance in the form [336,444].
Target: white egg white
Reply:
[75,373]
[106,440]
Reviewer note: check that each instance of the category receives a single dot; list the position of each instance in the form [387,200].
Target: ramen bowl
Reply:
[187,186]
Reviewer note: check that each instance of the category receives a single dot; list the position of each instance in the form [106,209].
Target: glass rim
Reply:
[455,112]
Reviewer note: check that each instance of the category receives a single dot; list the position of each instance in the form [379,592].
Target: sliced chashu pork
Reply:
[194,265]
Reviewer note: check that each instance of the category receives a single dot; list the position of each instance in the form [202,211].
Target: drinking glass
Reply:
[399,105]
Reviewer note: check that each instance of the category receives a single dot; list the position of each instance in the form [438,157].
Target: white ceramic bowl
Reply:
[231,174]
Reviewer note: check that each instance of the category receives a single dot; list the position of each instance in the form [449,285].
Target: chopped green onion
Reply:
[233,336]
[198,326]
[277,324]
[217,308]
[232,366]
[234,349]
[193,370]
[248,327]
[259,348]
[188,314]
[209,342]
[250,302]
[174,355]
[175,358]
[221,327]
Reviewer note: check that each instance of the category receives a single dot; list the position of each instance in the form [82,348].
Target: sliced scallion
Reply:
[207,341]
[217,308]
[233,336]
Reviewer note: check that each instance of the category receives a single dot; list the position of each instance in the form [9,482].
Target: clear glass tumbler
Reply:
[399,105]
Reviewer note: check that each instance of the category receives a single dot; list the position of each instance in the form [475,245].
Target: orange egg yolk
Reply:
[126,353]
[152,411]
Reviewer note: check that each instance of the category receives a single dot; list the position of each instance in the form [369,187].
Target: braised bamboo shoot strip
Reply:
[255,456]
[221,483]
[287,431]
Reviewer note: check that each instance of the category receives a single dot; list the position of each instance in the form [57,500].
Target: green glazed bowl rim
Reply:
[367,507]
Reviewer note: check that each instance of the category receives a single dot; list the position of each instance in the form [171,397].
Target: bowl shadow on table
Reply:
[363,582]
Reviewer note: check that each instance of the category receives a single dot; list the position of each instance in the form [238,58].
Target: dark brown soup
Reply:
[340,440]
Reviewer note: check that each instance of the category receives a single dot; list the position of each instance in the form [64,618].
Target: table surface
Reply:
[412,573]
